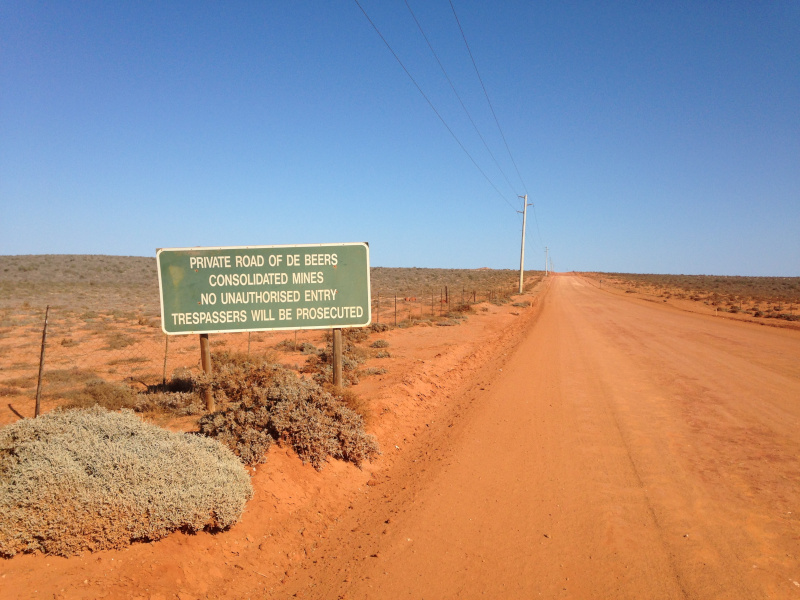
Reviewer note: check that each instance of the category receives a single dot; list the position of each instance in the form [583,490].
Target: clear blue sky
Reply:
[651,137]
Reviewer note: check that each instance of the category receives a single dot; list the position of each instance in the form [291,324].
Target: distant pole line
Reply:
[522,248]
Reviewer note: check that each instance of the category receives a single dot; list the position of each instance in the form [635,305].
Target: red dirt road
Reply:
[622,449]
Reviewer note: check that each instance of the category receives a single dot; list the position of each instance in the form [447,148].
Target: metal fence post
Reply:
[41,364]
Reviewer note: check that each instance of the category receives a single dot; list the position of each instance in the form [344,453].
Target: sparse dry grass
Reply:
[82,283]
[414,282]
[767,297]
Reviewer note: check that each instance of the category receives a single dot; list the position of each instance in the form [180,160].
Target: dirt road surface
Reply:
[622,449]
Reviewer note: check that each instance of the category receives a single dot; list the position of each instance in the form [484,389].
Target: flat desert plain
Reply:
[593,444]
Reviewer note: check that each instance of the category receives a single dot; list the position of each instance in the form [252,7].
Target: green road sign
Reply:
[261,288]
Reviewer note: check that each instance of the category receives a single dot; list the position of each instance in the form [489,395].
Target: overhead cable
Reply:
[452,87]
[487,96]
[419,89]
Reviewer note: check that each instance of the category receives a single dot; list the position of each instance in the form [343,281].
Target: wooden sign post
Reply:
[337,357]
[205,361]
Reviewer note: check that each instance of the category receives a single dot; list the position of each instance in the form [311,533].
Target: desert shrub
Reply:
[355,334]
[25,381]
[379,327]
[286,344]
[524,304]
[117,341]
[90,479]
[308,348]
[379,344]
[324,372]
[464,308]
[272,404]
[178,395]
[351,400]
[383,354]
[178,403]
[375,371]
[70,376]
[358,354]
[182,380]
[223,359]
[113,396]
[448,322]
[321,366]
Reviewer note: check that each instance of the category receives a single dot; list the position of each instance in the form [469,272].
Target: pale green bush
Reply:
[90,479]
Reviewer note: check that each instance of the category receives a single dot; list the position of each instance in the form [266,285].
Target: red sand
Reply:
[591,446]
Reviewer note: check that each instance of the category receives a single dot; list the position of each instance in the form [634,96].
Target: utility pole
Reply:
[522,251]
[546,273]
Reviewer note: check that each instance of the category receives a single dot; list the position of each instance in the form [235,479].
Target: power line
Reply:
[500,129]
[536,220]
[433,108]
[452,87]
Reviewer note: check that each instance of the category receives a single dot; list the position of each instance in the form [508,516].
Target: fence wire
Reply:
[127,348]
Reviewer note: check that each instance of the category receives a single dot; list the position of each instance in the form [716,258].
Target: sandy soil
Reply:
[591,446]
[294,506]
[704,303]
[625,450]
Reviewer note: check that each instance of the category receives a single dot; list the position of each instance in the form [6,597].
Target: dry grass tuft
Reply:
[112,396]
[178,396]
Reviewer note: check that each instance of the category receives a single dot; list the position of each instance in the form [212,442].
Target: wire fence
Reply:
[113,346]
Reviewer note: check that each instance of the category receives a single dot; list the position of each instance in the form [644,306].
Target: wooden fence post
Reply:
[205,361]
[41,364]
[166,352]
[337,357]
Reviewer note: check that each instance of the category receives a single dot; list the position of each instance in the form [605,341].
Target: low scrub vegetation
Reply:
[758,296]
[177,396]
[90,479]
[461,283]
[268,404]
[722,288]
[320,363]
